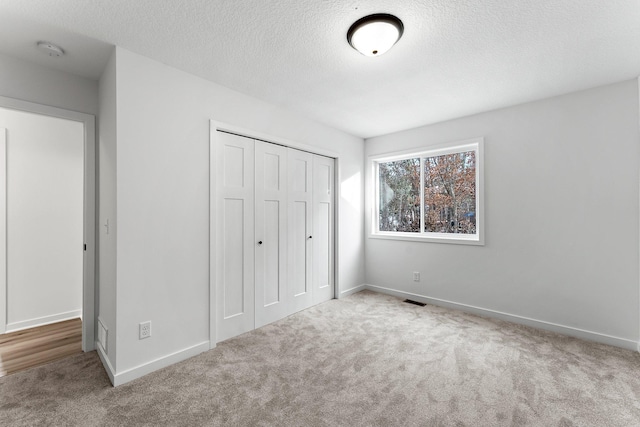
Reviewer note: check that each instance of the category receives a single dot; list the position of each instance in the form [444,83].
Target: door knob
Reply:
[260,242]
[310,237]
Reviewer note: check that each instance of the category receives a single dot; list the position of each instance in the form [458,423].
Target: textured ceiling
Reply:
[457,57]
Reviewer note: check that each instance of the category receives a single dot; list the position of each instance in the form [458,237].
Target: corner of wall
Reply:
[107,365]
[352,291]
[106,213]
[638,116]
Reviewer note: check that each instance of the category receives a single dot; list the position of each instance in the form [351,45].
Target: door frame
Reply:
[217,126]
[89,213]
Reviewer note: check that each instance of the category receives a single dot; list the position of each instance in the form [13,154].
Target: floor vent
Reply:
[410,301]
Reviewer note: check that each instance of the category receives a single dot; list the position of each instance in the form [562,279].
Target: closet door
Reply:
[323,224]
[270,233]
[300,166]
[235,245]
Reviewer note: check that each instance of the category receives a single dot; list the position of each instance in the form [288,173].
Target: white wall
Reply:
[107,207]
[561,206]
[45,174]
[30,82]
[163,200]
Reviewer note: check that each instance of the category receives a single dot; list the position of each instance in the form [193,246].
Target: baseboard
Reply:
[45,320]
[540,324]
[162,362]
[351,291]
[107,365]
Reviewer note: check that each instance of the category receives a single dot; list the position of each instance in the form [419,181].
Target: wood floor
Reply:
[36,346]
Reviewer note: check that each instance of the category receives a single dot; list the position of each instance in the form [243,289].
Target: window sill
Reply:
[456,239]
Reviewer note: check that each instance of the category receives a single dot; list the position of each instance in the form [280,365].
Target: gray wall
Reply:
[31,82]
[561,221]
[162,123]
[107,206]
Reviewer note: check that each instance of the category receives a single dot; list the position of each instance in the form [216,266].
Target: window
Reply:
[431,195]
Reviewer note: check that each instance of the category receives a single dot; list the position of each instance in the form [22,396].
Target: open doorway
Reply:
[47,223]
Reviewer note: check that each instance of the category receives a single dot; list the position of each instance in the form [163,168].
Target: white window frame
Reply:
[475,144]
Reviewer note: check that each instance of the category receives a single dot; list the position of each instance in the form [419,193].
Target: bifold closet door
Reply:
[234,270]
[300,166]
[270,233]
[273,232]
[323,226]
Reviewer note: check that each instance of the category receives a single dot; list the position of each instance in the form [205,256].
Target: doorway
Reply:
[47,218]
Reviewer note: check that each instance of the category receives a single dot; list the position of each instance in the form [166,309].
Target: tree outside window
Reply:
[450,193]
[400,196]
[432,194]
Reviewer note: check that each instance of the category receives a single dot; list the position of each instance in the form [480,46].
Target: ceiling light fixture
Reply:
[50,49]
[375,34]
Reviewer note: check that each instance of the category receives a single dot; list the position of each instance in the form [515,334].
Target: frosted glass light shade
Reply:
[373,35]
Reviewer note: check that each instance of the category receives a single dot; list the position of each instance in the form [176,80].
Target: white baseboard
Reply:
[106,364]
[162,362]
[540,324]
[41,321]
[351,291]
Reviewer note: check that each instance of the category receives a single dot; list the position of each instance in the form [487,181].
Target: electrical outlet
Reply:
[145,330]
[416,276]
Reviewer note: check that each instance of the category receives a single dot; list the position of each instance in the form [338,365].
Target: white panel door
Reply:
[300,166]
[234,267]
[270,233]
[323,189]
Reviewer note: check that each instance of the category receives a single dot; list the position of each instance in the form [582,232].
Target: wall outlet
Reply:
[416,276]
[145,330]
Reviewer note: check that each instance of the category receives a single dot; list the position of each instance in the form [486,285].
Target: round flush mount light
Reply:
[50,49]
[375,34]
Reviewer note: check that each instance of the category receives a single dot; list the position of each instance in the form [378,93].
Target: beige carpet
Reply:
[367,360]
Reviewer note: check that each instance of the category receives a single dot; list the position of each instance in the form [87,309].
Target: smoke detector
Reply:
[50,49]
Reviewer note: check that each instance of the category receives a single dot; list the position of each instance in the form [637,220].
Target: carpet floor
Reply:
[365,360]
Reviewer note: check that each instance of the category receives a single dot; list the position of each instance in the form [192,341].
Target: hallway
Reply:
[27,348]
